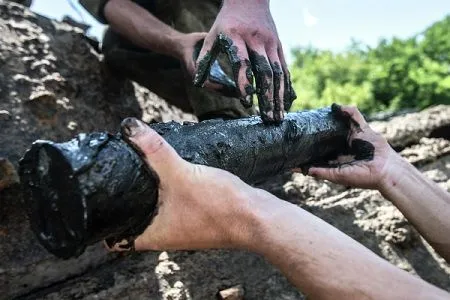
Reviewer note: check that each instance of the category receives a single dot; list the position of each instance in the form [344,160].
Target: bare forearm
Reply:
[141,27]
[425,204]
[324,262]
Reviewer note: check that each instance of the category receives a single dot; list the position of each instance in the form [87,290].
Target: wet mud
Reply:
[96,187]
[85,190]
[224,44]
[277,77]
[263,79]
[257,69]
[289,93]
[217,75]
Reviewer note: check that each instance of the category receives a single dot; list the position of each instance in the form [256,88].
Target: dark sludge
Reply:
[96,187]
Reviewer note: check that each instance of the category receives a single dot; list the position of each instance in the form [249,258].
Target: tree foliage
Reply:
[396,74]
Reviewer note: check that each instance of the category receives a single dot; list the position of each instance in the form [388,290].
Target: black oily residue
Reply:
[216,74]
[277,75]
[247,100]
[110,194]
[336,109]
[263,77]
[85,190]
[362,150]
[226,45]
[253,150]
[289,93]
[248,71]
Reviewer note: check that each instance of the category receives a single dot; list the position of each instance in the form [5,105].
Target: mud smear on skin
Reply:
[289,93]
[96,187]
[263,76]
[216,74]
[360,149]
[225,45]
[247,101]
[259,67]
[277,74]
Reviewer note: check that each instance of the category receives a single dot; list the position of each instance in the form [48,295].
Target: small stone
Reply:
[163,256]
[5,115]
[43,105]
[72,125]
[233,293]
[8,174]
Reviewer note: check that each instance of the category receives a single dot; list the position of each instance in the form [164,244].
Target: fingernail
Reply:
[131,127]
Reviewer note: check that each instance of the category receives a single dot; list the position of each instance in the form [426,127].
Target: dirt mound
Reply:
[53,85]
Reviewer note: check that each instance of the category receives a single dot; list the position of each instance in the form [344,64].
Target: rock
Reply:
[8,174]
[426,151]
[408,129]
[233,293]
[71,21]
[5,115]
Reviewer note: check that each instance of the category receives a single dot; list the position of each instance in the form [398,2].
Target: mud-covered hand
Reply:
[371,160]
[245,31]
[198,207]
[189,46]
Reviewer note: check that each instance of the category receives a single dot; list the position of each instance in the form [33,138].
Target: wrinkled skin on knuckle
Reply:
[261,36]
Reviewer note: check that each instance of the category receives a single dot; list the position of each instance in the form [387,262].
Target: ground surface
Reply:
[53,85]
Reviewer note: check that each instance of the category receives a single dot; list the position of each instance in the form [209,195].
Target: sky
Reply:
[324,24]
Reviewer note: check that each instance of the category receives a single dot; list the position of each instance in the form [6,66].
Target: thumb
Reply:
[155,150]
[330,174]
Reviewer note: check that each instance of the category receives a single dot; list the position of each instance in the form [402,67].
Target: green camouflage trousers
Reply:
[164,75]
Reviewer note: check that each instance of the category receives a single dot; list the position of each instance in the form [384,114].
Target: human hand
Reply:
[245,31]
[198,207]
[189,48]
[373,159]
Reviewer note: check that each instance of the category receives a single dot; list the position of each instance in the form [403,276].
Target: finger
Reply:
[289,94]
[122,246]
[278,84]
[347,174]
[199,44]
[264,83]
[156,151]
[217,79]
[206,58]
[354,114]
[145,241]
[236,51]
[331,174]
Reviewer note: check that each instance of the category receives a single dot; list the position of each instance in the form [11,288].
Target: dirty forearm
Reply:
[142,28]
[323,262]
[425,204]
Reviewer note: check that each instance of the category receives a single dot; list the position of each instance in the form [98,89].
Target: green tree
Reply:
[413,72]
